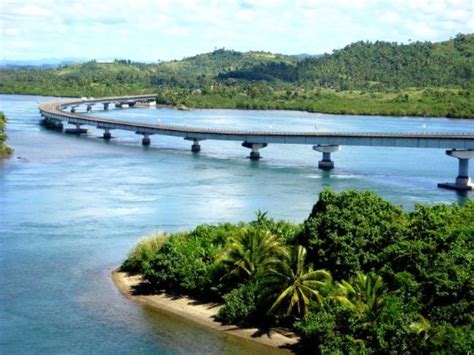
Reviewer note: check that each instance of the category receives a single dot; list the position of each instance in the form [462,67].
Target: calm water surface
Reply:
[71,207]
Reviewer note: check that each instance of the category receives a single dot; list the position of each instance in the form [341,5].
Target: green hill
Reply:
[380,78]
[379,65]
[124,77]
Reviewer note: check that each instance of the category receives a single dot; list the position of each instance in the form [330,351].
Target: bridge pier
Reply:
[254,154]
[106,106]
[118,105]
[146,141]
[107,135]
[73,109]
[326,163]
[89,108]
[78,130]
[463,181]
[52,124]
[195,148]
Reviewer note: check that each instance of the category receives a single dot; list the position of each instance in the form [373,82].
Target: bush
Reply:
[436,261]
[139,258]
[185,263]
[240,305]
[348,232]
[325,330]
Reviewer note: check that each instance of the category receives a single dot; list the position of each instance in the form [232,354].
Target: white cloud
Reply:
[186,27]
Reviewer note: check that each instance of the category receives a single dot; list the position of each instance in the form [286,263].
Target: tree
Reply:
[364,295]
[350,231]
[249,252]
[294,282]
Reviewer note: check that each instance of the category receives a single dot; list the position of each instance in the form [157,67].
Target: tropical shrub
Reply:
[240,305]
[349,232]
[140,256]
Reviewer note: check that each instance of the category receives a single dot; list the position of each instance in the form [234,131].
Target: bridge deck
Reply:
[55,111]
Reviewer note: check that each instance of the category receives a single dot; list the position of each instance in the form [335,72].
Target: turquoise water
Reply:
[71,207]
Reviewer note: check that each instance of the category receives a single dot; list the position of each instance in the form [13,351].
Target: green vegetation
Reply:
[360,275]
[5,151]
[381,78]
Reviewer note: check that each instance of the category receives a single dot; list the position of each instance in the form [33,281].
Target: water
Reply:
[71,207]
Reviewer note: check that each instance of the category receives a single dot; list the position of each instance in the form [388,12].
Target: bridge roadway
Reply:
[460,145]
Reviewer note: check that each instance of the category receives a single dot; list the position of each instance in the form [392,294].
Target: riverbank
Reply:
[133,288]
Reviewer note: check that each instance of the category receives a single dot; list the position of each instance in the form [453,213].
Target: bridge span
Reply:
[459,145]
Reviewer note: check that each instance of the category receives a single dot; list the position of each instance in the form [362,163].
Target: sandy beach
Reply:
[131,287]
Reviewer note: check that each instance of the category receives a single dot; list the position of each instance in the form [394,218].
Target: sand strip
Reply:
[201,313]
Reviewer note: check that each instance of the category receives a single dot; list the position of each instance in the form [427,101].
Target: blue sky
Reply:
[149,30]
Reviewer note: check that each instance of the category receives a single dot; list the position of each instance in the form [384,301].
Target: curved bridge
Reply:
[460,145]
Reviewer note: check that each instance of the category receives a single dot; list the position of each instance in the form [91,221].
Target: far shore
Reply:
[191,108]
[133,288]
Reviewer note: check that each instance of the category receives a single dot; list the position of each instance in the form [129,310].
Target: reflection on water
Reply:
[71,208]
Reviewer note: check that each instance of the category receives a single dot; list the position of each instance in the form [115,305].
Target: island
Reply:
[358,274]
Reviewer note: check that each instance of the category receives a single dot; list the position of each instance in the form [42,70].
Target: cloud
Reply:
[185,27]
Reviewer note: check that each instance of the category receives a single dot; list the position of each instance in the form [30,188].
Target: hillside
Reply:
[379,65]
[381,78]
[123,76]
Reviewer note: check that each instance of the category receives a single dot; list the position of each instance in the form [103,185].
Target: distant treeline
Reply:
[421,78]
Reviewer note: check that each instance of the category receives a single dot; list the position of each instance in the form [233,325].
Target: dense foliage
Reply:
[378,65]
[359,275]
[383,78]
[5,151]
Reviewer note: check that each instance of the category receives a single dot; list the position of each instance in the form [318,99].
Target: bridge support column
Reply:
[118,105]
[195,148]
[78,130]
[52,124]
[146,140]
[463,181]
[254,154]
[89,108]
[107,135]
[326,163]
[73,109]
[106,106]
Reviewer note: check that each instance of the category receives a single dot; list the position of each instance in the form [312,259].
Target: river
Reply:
[71,208]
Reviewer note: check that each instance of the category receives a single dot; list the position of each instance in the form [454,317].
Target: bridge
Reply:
[458,145]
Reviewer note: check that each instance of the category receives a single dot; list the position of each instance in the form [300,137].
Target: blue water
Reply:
[71,208]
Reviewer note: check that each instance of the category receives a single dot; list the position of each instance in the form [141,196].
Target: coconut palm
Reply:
[422,327]
[364,295]
[293,282]
[250,251]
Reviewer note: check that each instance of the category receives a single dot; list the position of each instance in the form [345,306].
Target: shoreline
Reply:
[198,312]
[368,115]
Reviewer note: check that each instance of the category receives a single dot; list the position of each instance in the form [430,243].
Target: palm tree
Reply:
[422,327]
[250,251]
[364,296]
[295,282]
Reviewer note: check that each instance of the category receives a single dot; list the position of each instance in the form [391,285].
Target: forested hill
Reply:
[381,78]
[361,65]
[127,77]
[378,65]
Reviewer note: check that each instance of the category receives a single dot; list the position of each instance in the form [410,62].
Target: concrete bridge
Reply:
[459,145]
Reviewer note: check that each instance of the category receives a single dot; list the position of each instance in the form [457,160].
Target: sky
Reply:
[151,30]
